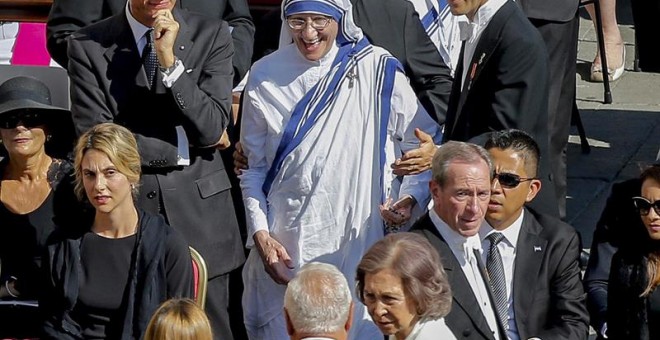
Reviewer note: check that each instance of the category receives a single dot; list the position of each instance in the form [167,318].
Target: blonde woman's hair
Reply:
[118,143]
[179,319]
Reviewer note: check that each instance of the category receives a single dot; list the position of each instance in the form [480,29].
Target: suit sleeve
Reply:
[237,15]
[88,104]
[66,17]
[569,317]
[205,103]
[429,75]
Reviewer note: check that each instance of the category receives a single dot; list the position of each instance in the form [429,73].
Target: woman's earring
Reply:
[48,137]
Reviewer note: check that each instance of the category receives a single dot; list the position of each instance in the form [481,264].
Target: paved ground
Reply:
[624,135]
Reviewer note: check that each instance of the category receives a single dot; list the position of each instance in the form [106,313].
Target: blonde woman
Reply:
[179,319]
[105,282]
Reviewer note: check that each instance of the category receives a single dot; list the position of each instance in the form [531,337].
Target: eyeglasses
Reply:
[318,23]
[644,206]
[29,119]
[510,181]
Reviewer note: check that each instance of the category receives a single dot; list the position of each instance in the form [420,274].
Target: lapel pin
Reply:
[537,249]
[182,47]
[473,72]
[189,70]
[481,58]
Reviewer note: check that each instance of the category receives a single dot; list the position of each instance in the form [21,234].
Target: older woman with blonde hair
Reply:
[179,319]
[404,286]
[105,282]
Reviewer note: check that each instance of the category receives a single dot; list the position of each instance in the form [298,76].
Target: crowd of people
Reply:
[395,169]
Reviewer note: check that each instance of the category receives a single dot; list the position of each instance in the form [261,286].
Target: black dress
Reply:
[24,238]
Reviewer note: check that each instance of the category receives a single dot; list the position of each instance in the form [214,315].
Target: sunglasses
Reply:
[510,181]
[25,118]
[644,206]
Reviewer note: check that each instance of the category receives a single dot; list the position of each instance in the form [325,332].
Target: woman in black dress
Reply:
[36,194]
[107,281]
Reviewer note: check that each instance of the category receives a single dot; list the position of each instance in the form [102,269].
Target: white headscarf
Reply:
[340,10]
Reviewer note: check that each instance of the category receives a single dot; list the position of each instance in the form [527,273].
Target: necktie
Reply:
[149,58]
[497,280]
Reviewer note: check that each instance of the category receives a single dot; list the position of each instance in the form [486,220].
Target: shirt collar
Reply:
[455,240]
[510,234]
[137,27]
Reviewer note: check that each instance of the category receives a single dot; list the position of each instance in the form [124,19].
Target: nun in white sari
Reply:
[323,118]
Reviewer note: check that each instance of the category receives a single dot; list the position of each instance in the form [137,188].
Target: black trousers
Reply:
[561,40]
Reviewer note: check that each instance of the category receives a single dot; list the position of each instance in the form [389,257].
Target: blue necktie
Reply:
[149,58]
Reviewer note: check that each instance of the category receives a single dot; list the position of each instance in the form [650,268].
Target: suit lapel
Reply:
[530,251]
[488,41]
[461,289]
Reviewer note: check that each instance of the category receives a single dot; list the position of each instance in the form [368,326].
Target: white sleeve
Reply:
[254,132]
[406,115]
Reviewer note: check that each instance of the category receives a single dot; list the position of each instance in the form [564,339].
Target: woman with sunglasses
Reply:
[36,194]
[633,298]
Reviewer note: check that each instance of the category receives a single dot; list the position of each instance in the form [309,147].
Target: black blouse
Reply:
[25,236]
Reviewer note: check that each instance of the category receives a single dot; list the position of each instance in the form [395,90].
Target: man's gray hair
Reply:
[318,299]
[459,152]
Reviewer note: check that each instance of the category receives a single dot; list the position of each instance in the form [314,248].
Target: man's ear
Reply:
[349,322]
[289,325]
[434,187]
[534,188]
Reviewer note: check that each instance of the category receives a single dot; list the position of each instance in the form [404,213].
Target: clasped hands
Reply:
[276,259]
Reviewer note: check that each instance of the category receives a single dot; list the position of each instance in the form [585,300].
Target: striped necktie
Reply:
[497,280]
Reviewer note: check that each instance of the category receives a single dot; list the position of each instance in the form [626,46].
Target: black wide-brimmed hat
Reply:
[27,93]
[20,93]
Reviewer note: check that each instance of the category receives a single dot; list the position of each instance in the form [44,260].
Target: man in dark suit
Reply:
[461,191]
[177,113]
[501,82]
[558,23]
[532,259]
[68,16]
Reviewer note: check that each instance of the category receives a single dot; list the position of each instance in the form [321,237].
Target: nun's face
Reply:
[313,43]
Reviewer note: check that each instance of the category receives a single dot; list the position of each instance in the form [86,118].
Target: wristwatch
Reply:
[169,70]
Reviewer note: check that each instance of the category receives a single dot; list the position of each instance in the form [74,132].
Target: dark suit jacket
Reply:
[547,292]
[556,10]
[68,16]
[108,83]
[505,88]
[395,26]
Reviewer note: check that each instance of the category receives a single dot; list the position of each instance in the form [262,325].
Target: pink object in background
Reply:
[30,45]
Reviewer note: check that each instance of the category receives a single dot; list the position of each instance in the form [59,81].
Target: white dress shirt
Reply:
[462,248]
[507,249]
[140,38]
[477,26]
